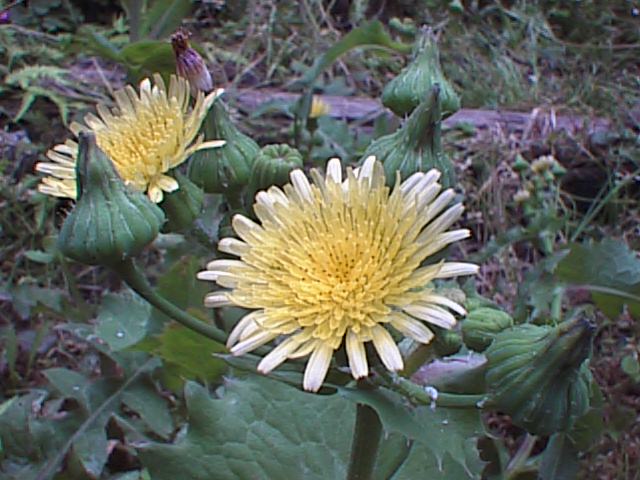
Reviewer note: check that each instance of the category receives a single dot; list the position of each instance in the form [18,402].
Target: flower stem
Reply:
[366,440]
[517,463]
[130,273]
[433,397]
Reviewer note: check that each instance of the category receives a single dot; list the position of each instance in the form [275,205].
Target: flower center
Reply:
[142,147]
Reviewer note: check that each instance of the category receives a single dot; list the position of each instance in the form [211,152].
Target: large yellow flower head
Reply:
[339,262]
[145,136]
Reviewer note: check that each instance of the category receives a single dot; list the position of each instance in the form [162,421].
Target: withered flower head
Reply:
[189,63]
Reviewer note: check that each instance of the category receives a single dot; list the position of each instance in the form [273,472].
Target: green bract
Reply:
[405,92]
[225,169]
[110,221]
[183,206]
[417,146]
[272,167]
[539,375]
[482,325]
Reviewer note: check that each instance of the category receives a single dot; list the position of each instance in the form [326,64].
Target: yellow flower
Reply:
[337,262]
[145,136]
[319,108]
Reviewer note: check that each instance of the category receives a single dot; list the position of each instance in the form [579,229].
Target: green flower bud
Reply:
[539,374]
[405,92]
[520,164]
[272,166]
[416,146]
[558,170]
[226,169]
[482,325]
[182,206]
[446,342]
[110,221]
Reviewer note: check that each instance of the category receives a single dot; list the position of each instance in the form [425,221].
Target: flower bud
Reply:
[272,166]
[481,326]
[110,221]
[226,169]
[182,206]
[539,374]
[520,164]
[405,92]
[447,342]
[417,145]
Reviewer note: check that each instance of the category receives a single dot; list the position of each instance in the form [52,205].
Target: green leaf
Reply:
[122,319]
[187,355]
[631,367]
[423,464]
[27,296]
[609,269]
[371,34]
[39,256]
[70,384]
[101,397]
[180,285]
[98,43]
[560,459]
[143,399]
[258,429]
[147,57]
[444,432]
[164,17]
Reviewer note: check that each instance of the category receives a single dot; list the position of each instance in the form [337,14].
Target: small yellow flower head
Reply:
[145,136]
[522,196]
[542,164]
[338,262]
[319,108]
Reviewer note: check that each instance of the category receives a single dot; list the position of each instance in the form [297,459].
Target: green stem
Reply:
[130,273]
[235,201]
[420,394]
[418,357]
[366,440]
[516,464]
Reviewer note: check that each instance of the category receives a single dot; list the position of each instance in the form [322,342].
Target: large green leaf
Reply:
[609,269]
[371,34]
[122,319]
[147,57]
[423,464]
[450,435]
[164,17]
[259,429]
[187,355]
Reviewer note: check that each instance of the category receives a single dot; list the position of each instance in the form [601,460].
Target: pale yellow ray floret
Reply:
[336,263]
[145,135]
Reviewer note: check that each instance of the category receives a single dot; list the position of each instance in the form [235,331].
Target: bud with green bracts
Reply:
[272,166]
[416,146]
[446,342]
[110,221]
[182,206]
[405,92]
[539,375]
[481,326]
[226,169]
